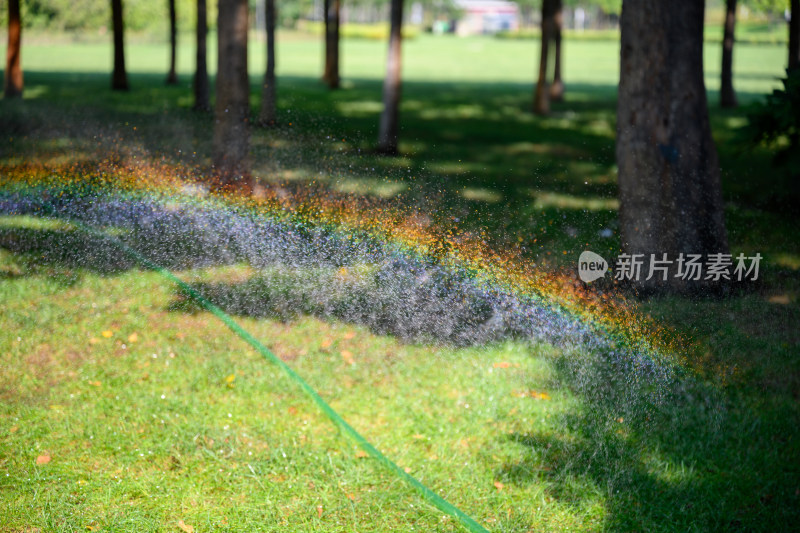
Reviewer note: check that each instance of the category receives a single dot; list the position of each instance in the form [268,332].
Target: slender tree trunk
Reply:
[331,73]
[727,96]
[201,89]
[231,113]
[268,97]
[388,131]
[119,79]
[541,100]
[172,77]
[794,35]
[557,88]
[669,179]
[13,76]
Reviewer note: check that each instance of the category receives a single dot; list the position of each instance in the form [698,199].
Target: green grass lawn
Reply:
[151,412]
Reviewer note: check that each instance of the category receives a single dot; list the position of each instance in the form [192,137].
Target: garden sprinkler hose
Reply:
[433,498]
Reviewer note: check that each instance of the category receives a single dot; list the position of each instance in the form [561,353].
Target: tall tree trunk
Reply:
[557,88]
[201,89]
[268,98]
[331,73]
[119,79]
[727,96]
[541,100]
[794,35]
[387,133]
[669,179]
[13,83]
[231,113]
[172,77]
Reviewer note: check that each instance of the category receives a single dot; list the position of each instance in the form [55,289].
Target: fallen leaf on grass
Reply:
[498,485]
[13,429]
[133,337]
[361,454]
[185,527]
[93,340]
[95,383]
[42,459]
[348,357]
[503,364]
[782,299]
[230,379]
[107,333]
[350,335]
[326,343]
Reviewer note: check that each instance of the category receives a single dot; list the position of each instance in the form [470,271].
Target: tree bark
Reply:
[331,74]
[727,96]
[119,78]
[541,100]
[231,114]
[201,88]
[669,178]
[557,88]
[794,35]
[13,83]
[172,76]
[268,94]
[388,131]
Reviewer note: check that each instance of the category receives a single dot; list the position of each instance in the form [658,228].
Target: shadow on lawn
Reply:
[704,459]
[724,459]
[472,152]
[701,457]
[64,252]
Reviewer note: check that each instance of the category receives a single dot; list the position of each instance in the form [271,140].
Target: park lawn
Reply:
[123,458]
[152,414]
[148,412]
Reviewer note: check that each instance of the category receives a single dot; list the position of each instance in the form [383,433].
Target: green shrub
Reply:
[776,123]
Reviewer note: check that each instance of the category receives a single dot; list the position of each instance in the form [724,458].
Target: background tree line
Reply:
[669,176]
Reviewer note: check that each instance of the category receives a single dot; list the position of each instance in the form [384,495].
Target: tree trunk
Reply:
[727,96]
[331,73]
[794,35]
[119,79]
[387,134]
[557,88]
[172,77]
[201,89]
[13,75]
[231,115]
[541,100]
[268,98]
[669,179]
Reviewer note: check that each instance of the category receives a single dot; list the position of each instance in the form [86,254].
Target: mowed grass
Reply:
[540,447]
[124,409]
[150,416]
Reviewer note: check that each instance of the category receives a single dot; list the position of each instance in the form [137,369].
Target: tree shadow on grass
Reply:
[698,459]
[56,248]
[472,150]
[660,452]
